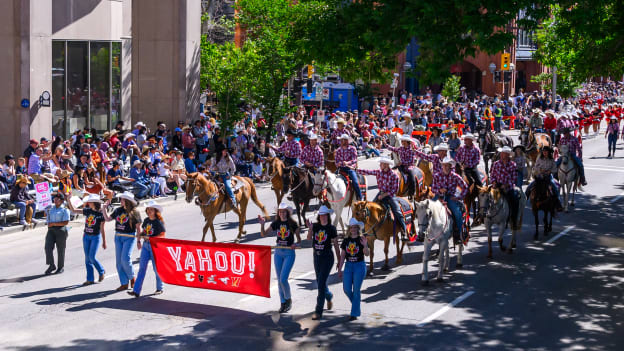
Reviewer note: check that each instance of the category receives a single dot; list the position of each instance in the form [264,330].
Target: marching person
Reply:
[613,129]
[346,161]
[468,157]
[503,174]
[324,236]
[388,185]
[407,159]
[445,186]
[93,234]
[576,152]
[312,155]
[57,217]
[354,248]
[127,224]
[225,168]
[285,228]
[153,227]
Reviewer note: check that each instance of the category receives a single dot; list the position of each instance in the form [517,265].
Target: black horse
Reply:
[489,142]
[543,199]
[301,188]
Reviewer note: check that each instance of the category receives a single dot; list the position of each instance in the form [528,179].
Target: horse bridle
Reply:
[489,206]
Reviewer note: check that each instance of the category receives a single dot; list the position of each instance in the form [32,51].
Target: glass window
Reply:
[100,87]
[58,88]
[77,85]
[116,84]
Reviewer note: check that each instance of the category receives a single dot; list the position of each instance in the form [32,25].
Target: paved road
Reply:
[565,294]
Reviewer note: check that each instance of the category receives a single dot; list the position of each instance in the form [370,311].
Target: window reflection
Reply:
[100,87]
[58,88]
[77,85]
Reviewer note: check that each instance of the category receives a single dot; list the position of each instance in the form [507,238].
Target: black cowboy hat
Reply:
[521,147]
[546,148]
[291,132]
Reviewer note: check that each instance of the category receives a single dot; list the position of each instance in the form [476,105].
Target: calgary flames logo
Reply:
[90,221]
[353,249]
[122,218]
[283,232]
[149,230]
[321,236]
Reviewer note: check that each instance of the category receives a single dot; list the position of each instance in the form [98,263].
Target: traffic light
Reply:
[507,76]
[309,86]
[505,61]
[497,76]
[310,71]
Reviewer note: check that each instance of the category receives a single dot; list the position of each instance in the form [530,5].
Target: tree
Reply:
[451,89]
[566,85]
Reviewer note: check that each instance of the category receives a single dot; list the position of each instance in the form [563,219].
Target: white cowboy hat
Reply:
[140,124]
[313,137]
[613,117]
[441,147]
[325,210]
[468,136]
[309,124]
[406,138]
[506,149]
[406,115]
[92,198]
[137,162]
[354,221]
[344,137]
[340,120]
[128,196]
[129,135]
[386,160]
[448,160]
[285,206]
[154,205]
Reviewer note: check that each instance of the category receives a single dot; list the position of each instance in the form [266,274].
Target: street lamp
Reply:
[407,66]
[492,68]
[395,81]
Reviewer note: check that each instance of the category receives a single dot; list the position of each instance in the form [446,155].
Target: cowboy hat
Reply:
[22,179]
[386,160]
[325,210]
[354,221]
[113,132]
[64,174]
[448,160]
[506,149]
[546,148]
[441,147]
[406,138]
[291,132]
[468,136]
[340,120]
[313,137]
[137,162]
[128,196]
[522,147]
[154,205]
[129,135]
[344,137]
[92,198]
[285,206]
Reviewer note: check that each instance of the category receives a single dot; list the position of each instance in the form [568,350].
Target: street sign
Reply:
[319,90]
[325,93]
[25,103]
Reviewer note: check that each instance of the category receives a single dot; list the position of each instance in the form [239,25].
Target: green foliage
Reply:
[566,85]
[451,88]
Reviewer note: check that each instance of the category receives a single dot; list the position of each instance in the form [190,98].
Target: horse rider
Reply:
[407,157]
[388,185]
[339,132]
[224,168]
[468,157]
[550,126]
[312,154]
[435,159]
[576,152]
[545,166]
[503,174]
[346,161]
[291,149]
[536,123]
[445,186]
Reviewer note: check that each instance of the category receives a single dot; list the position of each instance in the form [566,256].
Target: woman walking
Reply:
[285,228]
[93,234]
[354,248]
[613,128]
[324,236]
[153,227]
[127,224]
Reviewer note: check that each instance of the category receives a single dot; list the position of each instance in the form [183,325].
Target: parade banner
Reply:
[44,198]
[244,269]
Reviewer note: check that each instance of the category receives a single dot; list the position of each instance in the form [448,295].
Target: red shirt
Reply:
[550,123]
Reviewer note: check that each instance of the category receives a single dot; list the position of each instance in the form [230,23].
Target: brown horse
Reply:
[378,224]
[328,154]
[212,200]
[470,200]
[533,143]
[276,168]
[419,186]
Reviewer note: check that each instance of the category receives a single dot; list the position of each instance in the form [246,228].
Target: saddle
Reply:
[456,236]
[361,181]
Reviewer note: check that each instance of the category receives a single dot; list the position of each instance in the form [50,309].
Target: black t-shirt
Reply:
[285,233]
[93,221]
[152,227]
[122,221]
[322,236]
[354,249]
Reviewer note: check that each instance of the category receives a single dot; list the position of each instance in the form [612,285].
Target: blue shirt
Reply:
[57,214]
[114,173]
[189,165]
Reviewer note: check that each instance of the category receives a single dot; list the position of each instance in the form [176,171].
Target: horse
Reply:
[302,184]
[494,209]
[378,224]
[426,168]
[419,187]
[276,168]
[568,176]
[470,200]
[338,196]
[542,200]
[394,140]
[435,224]
[212,200]
[328,155]
[533,144]
[489,142]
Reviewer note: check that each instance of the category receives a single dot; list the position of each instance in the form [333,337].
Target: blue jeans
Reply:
[519,178]
[227,183]
[22,209]
[153,187]
[454,207]
[354,180]
[612,139]
[372,151]
[91,244]
[140,189]
[284,259]
[497,124]
[322,266]
[123,250]
[352,278]
[146,256]
[578,162]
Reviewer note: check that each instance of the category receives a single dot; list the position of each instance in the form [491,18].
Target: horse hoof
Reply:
[244,232]
[440,280]
[513,246]
[385,267]
[460,265]
[369,273]
[425,283]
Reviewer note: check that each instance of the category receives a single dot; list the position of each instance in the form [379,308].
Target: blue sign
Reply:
[25,103]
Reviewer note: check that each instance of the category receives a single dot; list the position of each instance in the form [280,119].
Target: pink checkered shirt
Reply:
[290,149]
[433,158]
[337,134]
[468,156]
[503,173]
[387,182]
[314,155]
[573,145]
[406,154]
[450,182]
[348,155]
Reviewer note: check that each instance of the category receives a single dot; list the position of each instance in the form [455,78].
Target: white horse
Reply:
[494,209]
[338,195]
[394,140]
[568,176]
[436,225]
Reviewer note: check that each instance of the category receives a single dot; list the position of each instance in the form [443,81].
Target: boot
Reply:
[286,306]
[583,181]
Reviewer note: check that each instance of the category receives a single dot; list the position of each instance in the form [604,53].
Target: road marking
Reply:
[604,166]
[445,309]
[564,232]
[274,286]
[617,198]
[605,169]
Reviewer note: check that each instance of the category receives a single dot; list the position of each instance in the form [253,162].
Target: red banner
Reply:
[244,269]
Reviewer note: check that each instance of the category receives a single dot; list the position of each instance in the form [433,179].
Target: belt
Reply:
[126,235]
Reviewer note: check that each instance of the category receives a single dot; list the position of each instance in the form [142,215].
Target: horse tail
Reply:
[254,198]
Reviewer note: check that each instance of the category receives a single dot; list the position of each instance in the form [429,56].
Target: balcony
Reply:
[525,46]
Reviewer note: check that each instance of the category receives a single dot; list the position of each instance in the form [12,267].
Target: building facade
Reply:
[101,61]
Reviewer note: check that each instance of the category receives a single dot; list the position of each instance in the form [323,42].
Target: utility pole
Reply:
[554,87]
